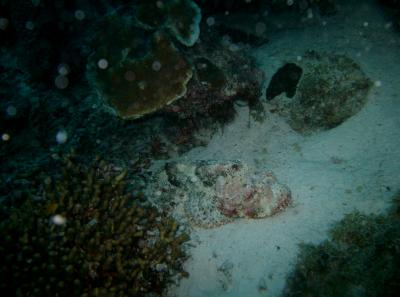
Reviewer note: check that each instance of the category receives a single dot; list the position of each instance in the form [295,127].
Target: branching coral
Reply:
[86,236]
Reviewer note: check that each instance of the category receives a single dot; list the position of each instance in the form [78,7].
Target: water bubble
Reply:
[260,28]
[159,4]
[234,47]
[3,23]
[289,2]
[388,25]
[61,82]
[30,25]
[63,69]
[11,111]
[226,39]
[79,15]
[365,24]
[378,83]
[142,85]
[210,21]
[61,136]
[5,137]
[130,75]
[156,65]
[58,220]
[310,13]
[202,66]
[299,58]
[102,63]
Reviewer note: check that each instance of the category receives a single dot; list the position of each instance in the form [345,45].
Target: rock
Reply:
[212,193]
[331,89]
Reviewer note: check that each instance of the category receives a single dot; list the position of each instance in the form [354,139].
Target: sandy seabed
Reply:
[355,166]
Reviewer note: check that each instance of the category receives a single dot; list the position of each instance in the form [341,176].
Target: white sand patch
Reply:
[352,167]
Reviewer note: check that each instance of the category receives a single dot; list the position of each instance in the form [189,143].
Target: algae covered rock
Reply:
[331,89]
[84,234]
[220,76]
[212,193]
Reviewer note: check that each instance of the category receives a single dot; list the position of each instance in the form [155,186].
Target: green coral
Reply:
[86,236]
[133,87]
[361,258]
[180,17]
[184,21]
